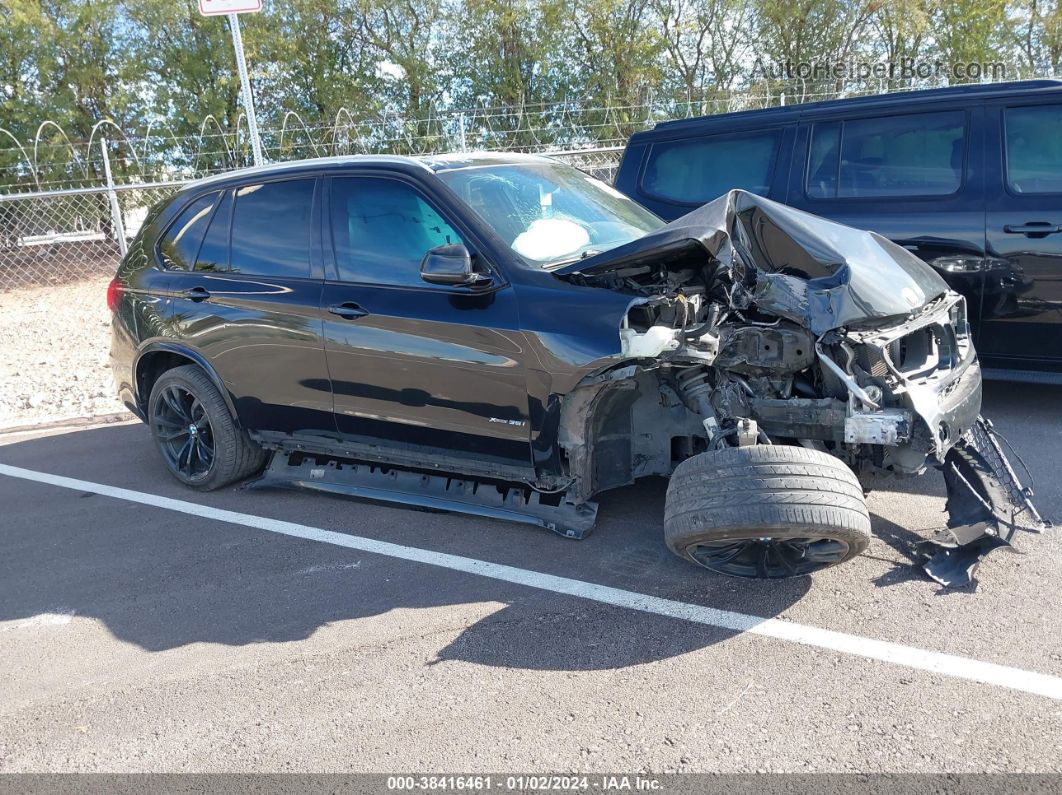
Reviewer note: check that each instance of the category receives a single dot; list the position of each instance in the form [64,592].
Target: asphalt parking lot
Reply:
[141,635]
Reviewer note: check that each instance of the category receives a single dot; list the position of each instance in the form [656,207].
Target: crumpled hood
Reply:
[816,272]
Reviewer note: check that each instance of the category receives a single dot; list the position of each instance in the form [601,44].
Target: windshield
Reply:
[550,213]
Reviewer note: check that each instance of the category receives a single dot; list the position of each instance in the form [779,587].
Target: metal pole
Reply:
[245,88]
[112,197]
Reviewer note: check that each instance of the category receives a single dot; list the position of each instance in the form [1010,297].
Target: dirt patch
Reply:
[55,343]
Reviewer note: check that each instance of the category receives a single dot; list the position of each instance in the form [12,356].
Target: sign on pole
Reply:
[233,8]
[213,8]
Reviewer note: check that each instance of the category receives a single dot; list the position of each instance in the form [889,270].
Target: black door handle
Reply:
[1032,229]
[196,293]
[348,310]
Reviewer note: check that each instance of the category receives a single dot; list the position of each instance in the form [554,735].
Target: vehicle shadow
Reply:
[161,580]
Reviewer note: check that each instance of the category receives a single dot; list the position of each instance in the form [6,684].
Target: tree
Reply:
[811,32]
[187,69]
[403,37]
[902,28]
[506,58]
[972,31]
[704,40]
[1037,26]
[616,58]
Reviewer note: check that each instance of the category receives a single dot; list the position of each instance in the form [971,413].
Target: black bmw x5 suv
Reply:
[508,336]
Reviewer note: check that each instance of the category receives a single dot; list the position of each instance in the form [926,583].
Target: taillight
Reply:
[114,294]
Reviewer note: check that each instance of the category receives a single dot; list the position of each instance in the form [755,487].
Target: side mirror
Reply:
[449,264]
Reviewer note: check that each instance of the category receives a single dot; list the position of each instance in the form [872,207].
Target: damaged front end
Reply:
[776,327]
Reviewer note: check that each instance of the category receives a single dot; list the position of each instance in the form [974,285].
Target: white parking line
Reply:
[898,654]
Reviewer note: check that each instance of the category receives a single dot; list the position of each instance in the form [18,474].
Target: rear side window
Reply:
[271,228]
[914,155]
[181,242]
[697,171]
[381,230]
[1034,149]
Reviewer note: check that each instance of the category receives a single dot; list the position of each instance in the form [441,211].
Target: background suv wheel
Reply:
[195,433]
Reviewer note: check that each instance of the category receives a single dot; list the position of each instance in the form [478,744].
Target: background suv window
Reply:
[913,155]
[381,229]
[271,228]
[181,242]
[1034,149]
[697,171]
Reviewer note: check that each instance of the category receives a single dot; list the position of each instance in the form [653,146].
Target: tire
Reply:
[185,396]
[766,511]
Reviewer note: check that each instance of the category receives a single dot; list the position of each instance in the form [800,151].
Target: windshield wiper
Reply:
[590,252]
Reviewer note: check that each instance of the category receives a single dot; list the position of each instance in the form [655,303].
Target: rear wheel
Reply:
[195,433]
[765,511]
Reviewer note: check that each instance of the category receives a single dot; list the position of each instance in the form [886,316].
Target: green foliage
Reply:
[159,63]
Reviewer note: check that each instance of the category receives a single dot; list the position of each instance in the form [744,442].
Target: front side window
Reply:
[381,230]
[549,212]
[1034,149]
[697,171]
[181,242]
[271,228]
[914,155]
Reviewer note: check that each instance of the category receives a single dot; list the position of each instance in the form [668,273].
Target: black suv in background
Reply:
[968,178]
[506,335]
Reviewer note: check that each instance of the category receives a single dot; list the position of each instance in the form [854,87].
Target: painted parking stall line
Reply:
[883,651]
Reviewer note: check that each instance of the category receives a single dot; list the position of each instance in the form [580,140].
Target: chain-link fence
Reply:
[602,163]
[55,237]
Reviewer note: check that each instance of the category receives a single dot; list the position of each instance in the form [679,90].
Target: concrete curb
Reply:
[68,422]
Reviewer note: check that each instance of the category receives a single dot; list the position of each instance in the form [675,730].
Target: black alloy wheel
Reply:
[767,557]
[183,430]
[765,511]
[195,431]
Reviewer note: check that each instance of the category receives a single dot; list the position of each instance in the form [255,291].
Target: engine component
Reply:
[695,388]
[750,349]
[648,344]
[855,389]
[888,427]
[747,432]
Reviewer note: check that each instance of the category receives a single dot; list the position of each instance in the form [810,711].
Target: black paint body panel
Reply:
[477,371]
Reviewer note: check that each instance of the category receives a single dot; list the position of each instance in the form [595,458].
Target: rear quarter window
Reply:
[179,245]
[695,171]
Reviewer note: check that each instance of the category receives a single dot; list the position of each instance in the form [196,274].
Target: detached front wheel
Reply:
[765,511]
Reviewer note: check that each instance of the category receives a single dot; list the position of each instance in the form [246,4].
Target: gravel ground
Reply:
[55,342]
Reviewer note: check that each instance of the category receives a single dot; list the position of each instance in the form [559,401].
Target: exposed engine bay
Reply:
[774,327]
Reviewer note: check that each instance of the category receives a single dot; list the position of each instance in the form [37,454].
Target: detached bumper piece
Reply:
[987,506]
[512,502]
